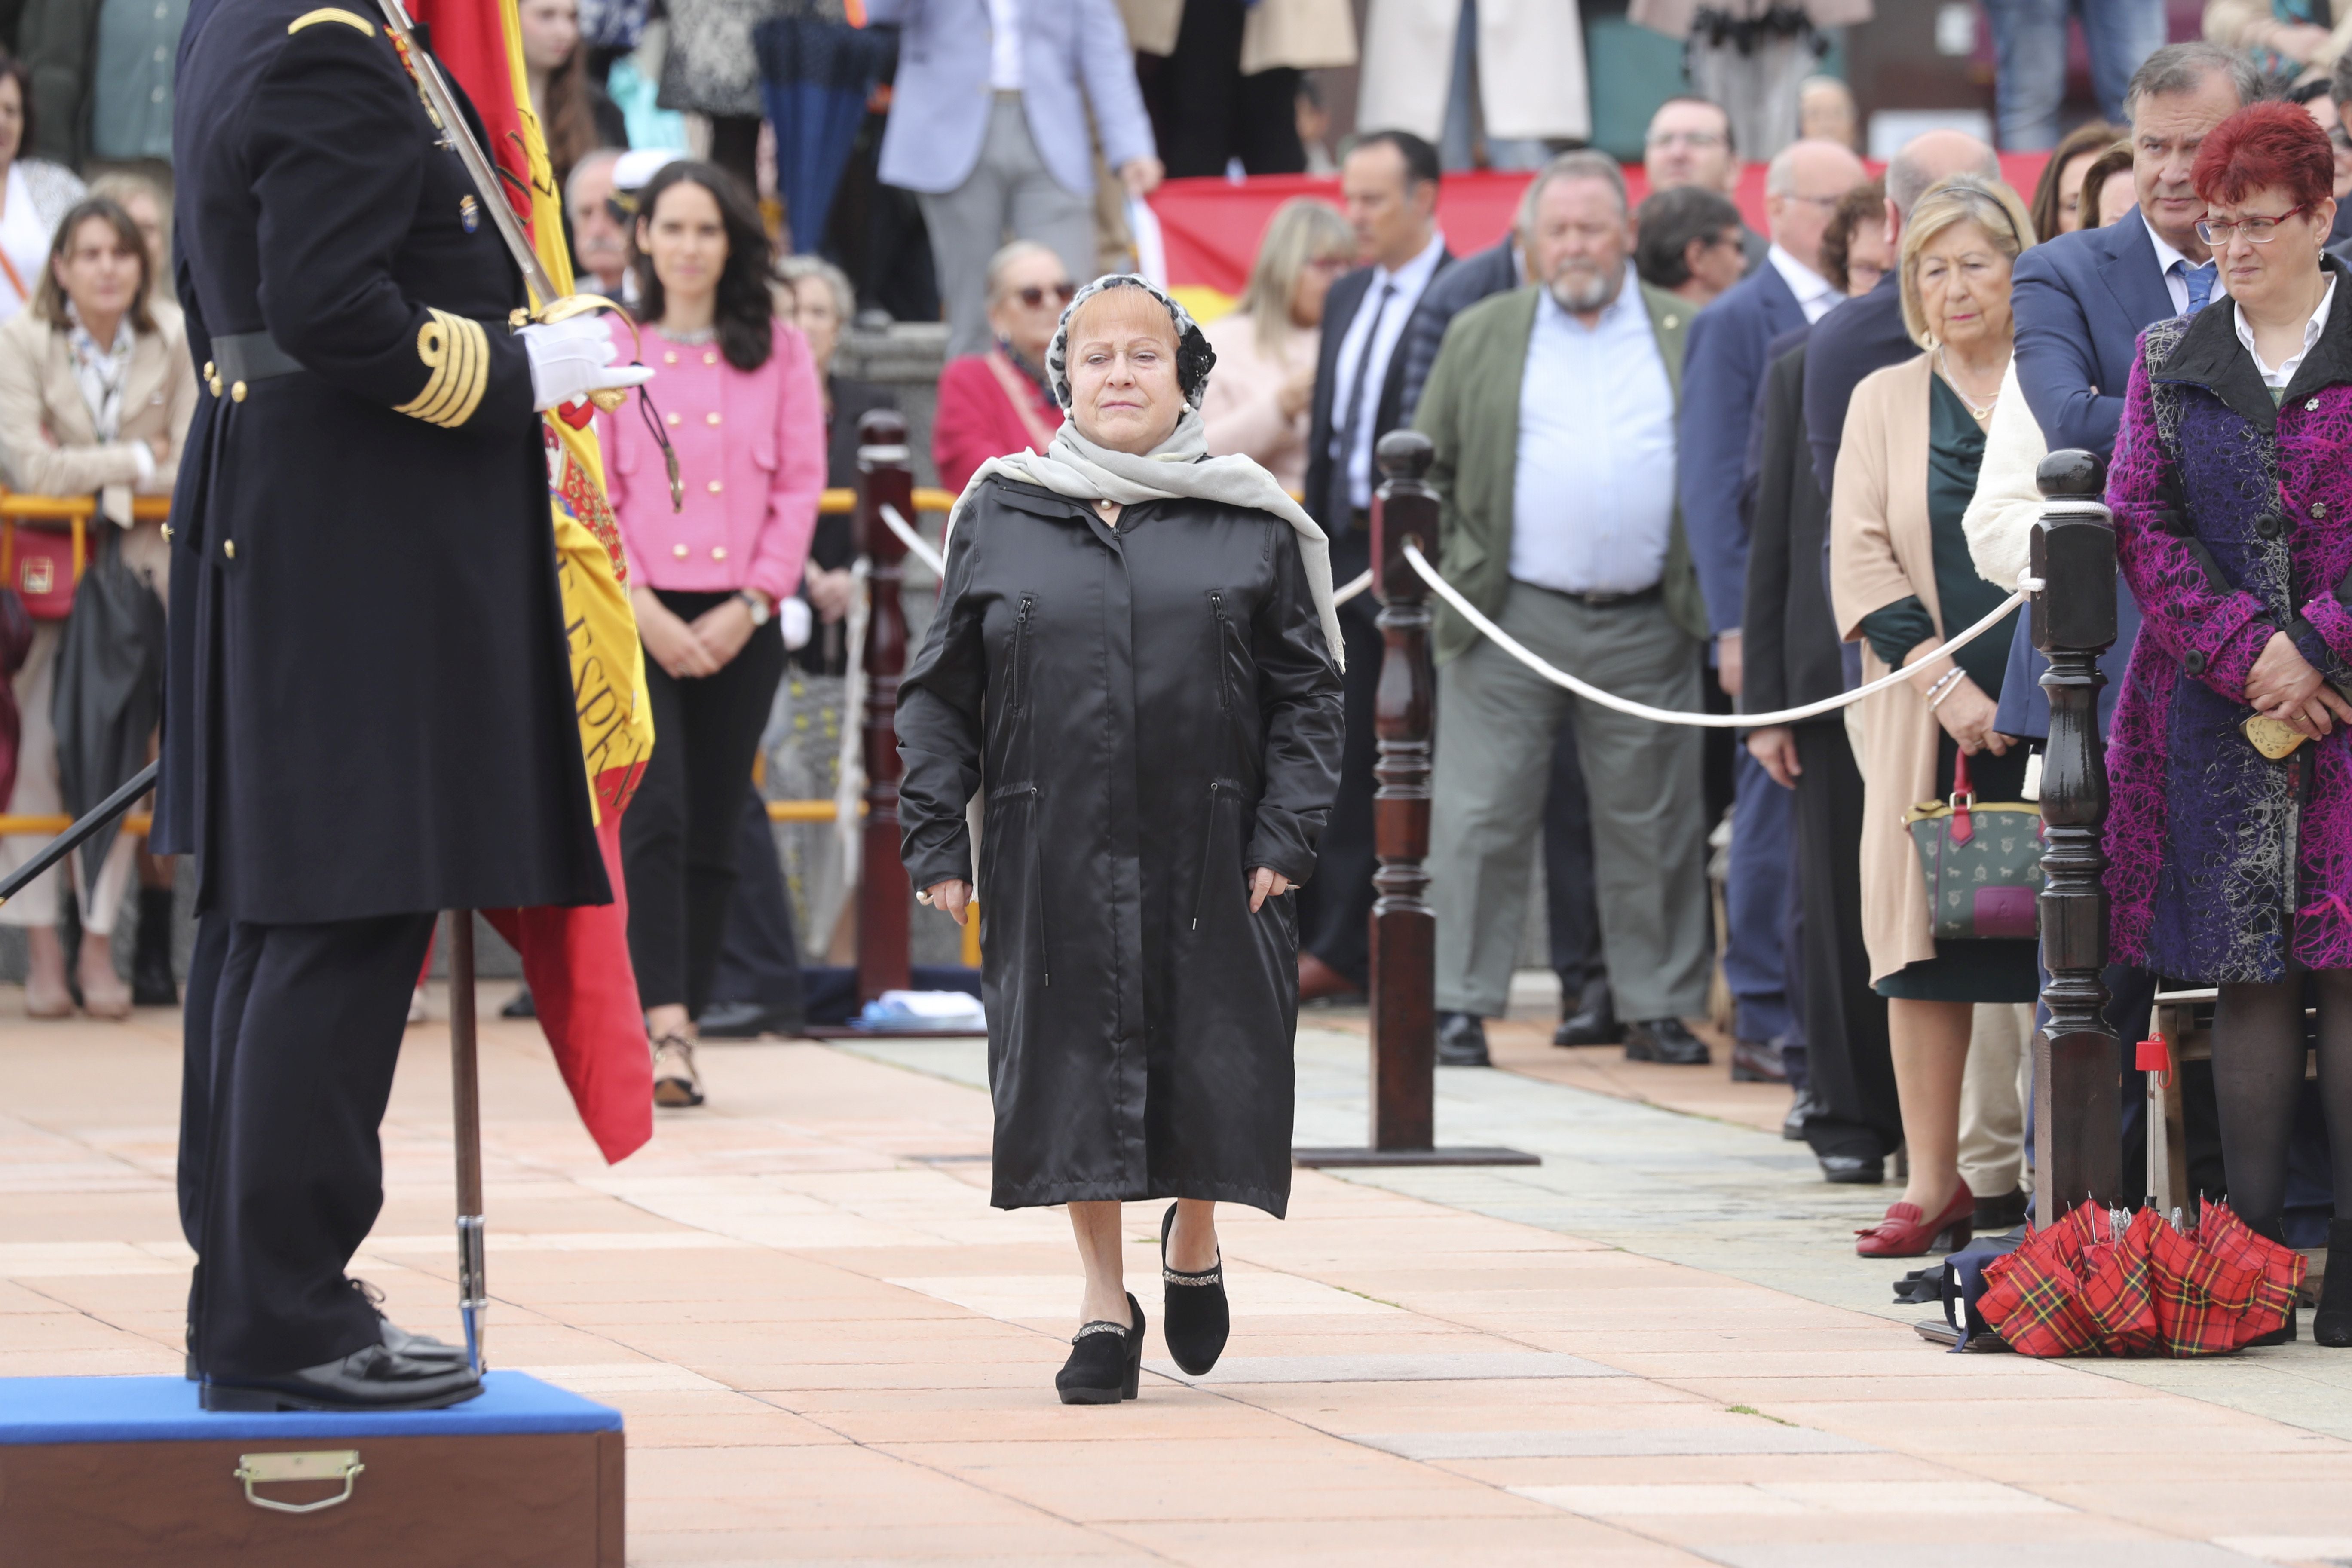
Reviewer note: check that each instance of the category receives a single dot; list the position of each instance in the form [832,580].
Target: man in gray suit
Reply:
[988,127]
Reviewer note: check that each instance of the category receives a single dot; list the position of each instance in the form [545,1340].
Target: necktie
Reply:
[1343,500]
[2200,284]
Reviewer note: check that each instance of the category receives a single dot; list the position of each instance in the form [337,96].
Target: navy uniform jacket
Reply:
[369,708]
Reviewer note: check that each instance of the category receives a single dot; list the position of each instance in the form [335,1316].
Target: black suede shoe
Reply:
[520,1005]
[370,1378]
[151,985]
[2002,1211]
[1594,1022]
[1106,1362]
[1757,1061]
[1792,1126]
[1667,1041]
[737,1021]
[2332,1324]
[1194,1317]
[1853,1170]
[1462,1041]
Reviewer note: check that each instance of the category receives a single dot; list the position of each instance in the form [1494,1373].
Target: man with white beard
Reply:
[1553,411]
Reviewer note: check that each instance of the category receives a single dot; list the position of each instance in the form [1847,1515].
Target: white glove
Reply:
[568,360]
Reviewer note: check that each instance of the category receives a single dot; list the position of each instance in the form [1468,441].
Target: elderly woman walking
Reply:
[1133,669]
[2231,852]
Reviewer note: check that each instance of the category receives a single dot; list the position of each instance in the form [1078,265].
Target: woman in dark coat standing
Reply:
[1133,667]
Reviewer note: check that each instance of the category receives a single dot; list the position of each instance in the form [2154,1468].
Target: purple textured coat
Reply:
[2233,520]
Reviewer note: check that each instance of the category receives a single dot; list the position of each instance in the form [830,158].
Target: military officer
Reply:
[369,713]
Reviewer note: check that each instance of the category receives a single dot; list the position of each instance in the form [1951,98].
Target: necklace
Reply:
[694,339]
[1944,365]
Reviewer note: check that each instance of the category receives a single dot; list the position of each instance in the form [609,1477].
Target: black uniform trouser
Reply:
[291,1033]
[679,839]
[1852,1073]
[760,955]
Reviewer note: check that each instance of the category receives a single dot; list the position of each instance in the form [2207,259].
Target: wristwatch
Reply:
[760,610]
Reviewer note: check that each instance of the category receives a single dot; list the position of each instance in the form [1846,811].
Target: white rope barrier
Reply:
[1354,586]
[917,545]
[1512,646]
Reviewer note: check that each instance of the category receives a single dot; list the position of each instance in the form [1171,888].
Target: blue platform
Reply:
[164,1409]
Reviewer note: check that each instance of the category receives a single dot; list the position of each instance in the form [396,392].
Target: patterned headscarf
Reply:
[1194,357]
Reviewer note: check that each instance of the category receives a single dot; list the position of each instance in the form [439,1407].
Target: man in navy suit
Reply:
[1723,372]
[1389,185]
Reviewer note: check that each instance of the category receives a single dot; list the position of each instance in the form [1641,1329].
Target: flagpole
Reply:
[465,1098]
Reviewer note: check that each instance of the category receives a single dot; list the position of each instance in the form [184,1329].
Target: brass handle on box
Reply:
[324,1465]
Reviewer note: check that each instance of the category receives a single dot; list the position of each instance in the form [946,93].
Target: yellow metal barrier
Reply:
[841,502]
[136,824]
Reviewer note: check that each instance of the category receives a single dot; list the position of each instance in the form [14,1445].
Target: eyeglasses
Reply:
[2257,230]
[1686,139]
[1032,296]
[2340,138]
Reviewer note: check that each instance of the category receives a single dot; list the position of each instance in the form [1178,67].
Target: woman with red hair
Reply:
[2230,764]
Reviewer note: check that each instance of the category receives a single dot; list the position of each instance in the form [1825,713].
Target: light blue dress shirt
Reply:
[130,79]
[1593,499]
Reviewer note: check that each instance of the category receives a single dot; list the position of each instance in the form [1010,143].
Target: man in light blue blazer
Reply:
[988,127]
[1730,349]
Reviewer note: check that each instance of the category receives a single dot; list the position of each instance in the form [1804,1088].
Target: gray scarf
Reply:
[1178,467]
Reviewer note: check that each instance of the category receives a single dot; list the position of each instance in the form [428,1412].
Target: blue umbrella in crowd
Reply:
[815,77]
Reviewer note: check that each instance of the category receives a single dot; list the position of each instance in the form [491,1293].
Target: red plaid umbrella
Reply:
[2096,1284]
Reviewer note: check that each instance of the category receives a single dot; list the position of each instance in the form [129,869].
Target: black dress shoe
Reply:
[2332,1324]
[1194,1317]
[1594,1022]
[399,1341]
[1462,1041]
[1665,1040]
[370,1378]
[520,1005]
[1853,1170]
[1792,1126]
[2001,1211]
[1757,1061]
[737,1021]
[1106,1361]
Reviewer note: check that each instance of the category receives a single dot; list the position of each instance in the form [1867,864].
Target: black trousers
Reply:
[1205,112]
[759,955]
[1334,907]
[679,839]
[1852,1070]
[291,1033]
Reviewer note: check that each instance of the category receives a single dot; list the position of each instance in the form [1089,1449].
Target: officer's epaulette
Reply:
[332,14]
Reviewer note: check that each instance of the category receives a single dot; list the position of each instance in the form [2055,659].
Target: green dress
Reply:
[1987,969]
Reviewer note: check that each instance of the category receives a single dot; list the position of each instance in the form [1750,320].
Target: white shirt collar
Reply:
[2294,361]
[2165,252]
[1813,292]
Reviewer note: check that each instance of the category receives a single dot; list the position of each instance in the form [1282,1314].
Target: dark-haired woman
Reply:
[95,392]
[34,194]
[2231,866]
[740,397]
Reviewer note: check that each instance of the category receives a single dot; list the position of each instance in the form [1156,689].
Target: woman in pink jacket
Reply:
[739,394]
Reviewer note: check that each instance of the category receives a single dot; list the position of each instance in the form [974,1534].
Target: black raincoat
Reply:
[1148,713]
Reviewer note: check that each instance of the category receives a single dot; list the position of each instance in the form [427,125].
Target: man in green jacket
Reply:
[1553,411]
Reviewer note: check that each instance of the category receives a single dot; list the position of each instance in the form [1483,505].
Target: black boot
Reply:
[151,985]
[1194,1317]
[2332,1324]
[1106,1361]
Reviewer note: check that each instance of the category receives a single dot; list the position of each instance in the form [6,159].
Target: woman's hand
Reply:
[670,641]
[1967,716]
[1296,392]
[954,898]
[829,593]
[723,629]
[1265,883]
[2283,685]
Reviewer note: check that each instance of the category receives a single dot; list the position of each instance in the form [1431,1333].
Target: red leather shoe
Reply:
[1906,1232]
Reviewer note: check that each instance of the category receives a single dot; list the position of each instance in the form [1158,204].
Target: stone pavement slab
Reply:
[1652,1350]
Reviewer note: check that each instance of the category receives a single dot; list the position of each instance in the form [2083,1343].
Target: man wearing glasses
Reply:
[1690,142]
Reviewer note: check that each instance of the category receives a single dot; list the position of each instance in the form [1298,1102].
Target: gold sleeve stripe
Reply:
[457,352]
[332,14]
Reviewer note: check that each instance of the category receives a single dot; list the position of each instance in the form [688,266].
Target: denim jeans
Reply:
[2030,81]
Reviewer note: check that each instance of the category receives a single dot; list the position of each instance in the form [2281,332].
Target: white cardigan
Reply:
[2008,503]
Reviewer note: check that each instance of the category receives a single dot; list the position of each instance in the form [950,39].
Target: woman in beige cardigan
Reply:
[95,392]
[1901,578]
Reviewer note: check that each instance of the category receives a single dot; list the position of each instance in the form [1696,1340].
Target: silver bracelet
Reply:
[1944,689]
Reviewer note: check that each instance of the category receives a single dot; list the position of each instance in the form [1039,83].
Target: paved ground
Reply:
[1654,1347]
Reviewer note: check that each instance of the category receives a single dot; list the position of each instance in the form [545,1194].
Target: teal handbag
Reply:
[1983,863]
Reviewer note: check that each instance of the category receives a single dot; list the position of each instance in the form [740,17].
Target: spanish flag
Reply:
[576,960]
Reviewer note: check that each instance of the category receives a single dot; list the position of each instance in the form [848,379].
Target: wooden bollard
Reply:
[1404,1023]
[2076,1052]
[885,901]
